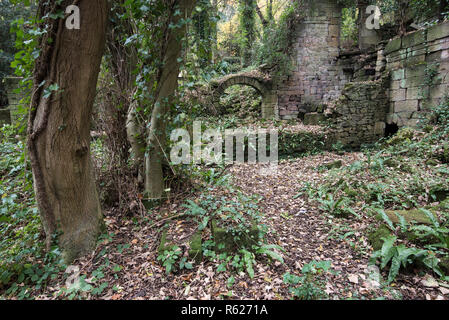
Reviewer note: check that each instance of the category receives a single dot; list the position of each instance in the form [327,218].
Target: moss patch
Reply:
[375,237]
[409,216]
[195,251]
[195,245]
[226,242]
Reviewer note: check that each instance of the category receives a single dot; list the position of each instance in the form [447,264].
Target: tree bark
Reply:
[122,62]
[165,91]
[261,17]
[59,126]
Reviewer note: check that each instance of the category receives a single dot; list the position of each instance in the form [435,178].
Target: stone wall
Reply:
[418,64]
[396,83]
[359,114]
[12,84]
[316,78]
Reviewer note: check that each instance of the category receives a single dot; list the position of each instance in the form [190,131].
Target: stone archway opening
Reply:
[257,81]
[242,101]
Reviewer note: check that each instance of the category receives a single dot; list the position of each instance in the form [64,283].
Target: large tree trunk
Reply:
[59,126]
[167,84]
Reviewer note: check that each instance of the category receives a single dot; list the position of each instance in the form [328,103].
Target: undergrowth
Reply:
[25,266]
[407,172]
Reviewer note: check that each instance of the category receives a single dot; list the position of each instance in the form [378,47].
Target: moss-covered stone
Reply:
[393,45]
[195,245]
[313,118]
[405,134]
[432,162]
[334,165]
[414,39]
[413,238]
[409,216]
[375,237]
[437,32]
[196,252]
[164,245]
[444,265]
[223,237]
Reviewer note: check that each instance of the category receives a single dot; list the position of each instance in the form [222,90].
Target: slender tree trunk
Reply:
[59,126]
[214,32]
[247,27]
[136,137]
[122,62]
[261,17]
[270,16]
[167,84]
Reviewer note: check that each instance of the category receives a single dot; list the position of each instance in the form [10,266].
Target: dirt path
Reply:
[300,228]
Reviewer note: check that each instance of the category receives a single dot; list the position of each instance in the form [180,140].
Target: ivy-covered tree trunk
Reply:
[247,10]
[167,83]
[203,32]
[270,16]
[65,79]
[214,31]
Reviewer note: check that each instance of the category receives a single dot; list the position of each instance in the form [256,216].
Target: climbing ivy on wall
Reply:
[276,44]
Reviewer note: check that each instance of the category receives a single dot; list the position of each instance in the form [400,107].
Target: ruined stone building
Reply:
[383,86]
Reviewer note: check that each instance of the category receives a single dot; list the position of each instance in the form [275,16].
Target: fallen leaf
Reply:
[353,278]
[430,282]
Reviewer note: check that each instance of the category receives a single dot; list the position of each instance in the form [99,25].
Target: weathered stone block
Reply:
[416,71]
[416,93]
[394,85]
[393,45]
[194,244]
[438,31]
[413,82]
[414,39]
[398,95]
[227,239]
[409,216]
[398,74]
[5,117]
[438,91]
[313,119]
[379,128]
[406,106]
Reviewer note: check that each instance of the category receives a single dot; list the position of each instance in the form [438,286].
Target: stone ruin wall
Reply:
[358,116]
[10,114]
[401,81]
[364,91]
[316,77]
[418,65]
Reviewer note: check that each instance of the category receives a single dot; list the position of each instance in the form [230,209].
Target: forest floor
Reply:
[304,205]
[127,261]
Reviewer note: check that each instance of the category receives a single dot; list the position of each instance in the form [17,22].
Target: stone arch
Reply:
[263,86]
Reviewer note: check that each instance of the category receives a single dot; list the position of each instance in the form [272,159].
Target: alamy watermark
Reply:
[73,20]
[251,146]
[373,20]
